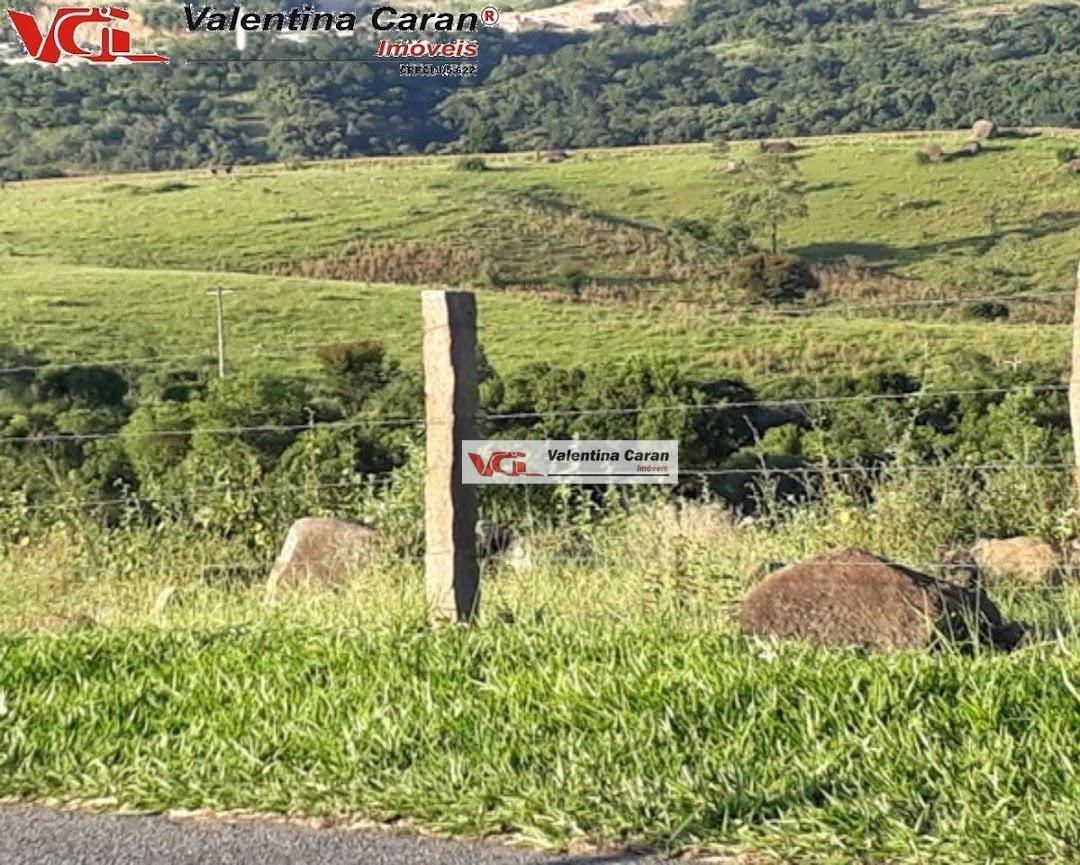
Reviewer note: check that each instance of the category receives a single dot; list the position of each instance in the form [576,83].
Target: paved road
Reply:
[31,835]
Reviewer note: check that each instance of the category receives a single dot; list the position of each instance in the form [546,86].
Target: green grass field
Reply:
[118,267]
[69,313]
[868,199]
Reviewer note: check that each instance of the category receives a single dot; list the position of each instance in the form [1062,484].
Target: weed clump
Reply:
[471,163]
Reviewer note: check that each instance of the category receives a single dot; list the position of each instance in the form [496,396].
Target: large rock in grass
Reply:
[1032,560]
[322,551]
[852,598]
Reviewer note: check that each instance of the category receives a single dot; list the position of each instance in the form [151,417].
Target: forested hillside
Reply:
[728,69]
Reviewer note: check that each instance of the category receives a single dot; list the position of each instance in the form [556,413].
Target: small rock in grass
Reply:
[849,597]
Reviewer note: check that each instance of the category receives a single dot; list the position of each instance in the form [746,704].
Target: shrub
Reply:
[695,228]
[1067,154]
[81,385]
[988,310]
[471,163]
[773,277]
[571,279]
[357,370]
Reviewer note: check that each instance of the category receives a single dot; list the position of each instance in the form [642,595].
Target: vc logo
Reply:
[495,465]
[59,40]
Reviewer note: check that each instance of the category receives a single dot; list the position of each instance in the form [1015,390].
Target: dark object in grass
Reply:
[849,597]
[777,147]
[492,539]
[1066,155]
[570,279]
[987,310]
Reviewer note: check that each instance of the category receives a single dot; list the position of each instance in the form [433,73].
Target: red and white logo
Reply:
[59,40]
[496,465]
[576,461]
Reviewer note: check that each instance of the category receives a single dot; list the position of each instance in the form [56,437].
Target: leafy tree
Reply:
[483,136]
[771,195]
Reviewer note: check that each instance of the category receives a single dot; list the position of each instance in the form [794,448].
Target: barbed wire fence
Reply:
[26,505]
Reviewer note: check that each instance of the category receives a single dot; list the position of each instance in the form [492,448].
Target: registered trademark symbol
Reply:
[489,16]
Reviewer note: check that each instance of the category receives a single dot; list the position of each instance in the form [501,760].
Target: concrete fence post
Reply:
[450,395]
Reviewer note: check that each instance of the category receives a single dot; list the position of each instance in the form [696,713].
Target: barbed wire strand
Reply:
[386,478]
[775,403]
[135,499]
[373,419]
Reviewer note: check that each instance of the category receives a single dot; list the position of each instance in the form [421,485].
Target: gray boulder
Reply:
[322,551]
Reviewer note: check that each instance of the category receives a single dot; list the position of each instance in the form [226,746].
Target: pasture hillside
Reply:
[1004,221]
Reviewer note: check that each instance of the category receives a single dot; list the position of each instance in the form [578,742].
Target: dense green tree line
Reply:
[175,444]
[728,69]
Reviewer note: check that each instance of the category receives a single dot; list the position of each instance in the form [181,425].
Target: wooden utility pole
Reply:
[220,292]
[450,394]
[1074,385]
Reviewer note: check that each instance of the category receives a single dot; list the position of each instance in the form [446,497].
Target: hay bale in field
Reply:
[1032,560]
[322,551]
[849,597]
[969,148]
[1073,166]
[553,156]
[932,153]
[778,147]
[984,129]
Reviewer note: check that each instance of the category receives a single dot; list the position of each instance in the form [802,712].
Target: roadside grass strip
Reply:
[647,732]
